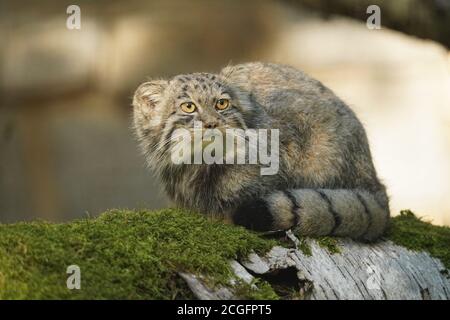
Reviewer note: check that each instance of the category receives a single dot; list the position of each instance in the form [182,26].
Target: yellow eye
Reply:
[188,107]
[222,104]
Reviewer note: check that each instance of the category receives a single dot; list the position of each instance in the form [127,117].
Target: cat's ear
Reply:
[149,94]
[146,103]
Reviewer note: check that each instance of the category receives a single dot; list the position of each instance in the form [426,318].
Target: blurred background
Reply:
[66,148]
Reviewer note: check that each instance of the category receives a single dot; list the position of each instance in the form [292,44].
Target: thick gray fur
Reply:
[326,184]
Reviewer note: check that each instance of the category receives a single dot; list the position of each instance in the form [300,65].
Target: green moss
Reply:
[304,246]
[413,233]
[122,255]
[328,243]
[137,254]
[331,244]
[264,290]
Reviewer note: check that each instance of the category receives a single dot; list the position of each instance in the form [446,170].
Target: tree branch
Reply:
[428,19]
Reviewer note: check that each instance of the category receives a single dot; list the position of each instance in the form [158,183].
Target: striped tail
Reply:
[354,213]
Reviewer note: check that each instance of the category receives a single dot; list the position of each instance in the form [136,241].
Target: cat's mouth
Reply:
[208,145]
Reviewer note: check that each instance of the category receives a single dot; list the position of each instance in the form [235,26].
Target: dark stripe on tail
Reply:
[295,207]
[366,210]
[254,215]
[337,218]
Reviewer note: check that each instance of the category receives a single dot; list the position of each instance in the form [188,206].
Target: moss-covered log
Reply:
[172,254]
[122,255]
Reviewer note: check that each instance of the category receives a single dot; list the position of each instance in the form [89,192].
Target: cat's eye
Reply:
[188,107]
[222,104]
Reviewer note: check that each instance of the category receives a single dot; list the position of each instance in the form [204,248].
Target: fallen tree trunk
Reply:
[382,270]
[176,254]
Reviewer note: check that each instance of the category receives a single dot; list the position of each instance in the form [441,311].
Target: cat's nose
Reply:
[211,124]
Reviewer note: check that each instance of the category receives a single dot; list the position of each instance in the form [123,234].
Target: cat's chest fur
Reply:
[214,188]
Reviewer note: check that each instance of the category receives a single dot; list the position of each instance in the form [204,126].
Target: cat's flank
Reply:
[326,183]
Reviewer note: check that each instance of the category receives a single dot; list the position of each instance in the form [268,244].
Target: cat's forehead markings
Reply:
[202,83]
[184,95]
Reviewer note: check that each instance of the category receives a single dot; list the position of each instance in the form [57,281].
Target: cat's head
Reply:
[162,106]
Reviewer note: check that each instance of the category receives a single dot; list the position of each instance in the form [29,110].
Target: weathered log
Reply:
[381,270]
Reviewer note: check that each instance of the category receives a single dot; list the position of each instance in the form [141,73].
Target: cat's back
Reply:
[289,95]
[271,84]
[262,74]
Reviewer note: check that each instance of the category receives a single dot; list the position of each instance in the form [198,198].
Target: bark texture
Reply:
[382,270]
